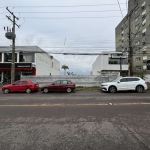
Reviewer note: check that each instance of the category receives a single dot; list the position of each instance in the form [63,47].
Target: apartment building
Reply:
[29,61]
[109,62]
[140,35]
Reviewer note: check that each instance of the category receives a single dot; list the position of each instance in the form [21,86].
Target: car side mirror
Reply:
[118,82]
[13,84]
[53,83]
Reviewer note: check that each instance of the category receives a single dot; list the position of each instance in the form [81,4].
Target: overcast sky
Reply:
[73,26]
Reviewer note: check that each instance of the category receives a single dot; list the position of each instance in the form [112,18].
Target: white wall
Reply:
[44,64]
[96,67]
[101,63]
[55,69]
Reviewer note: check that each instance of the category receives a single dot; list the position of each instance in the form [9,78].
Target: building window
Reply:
[26,57]
[113,61]
[137,26]
[138,67]
[138,50]
[138,34]
[126,29]
[138,59]
[127,35]
[0,57]
[117,61]
[137,43]
[143,5]
[136,11]
[144,31]
[8,57]
[137,18]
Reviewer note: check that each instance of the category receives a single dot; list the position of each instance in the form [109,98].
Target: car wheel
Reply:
[69,90]
[45,90]
[6,91]
[139,89]
[112,89]
[28,90]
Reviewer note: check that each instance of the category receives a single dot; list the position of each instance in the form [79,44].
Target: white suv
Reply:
[125,84]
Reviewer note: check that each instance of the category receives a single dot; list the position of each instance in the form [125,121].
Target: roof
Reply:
[34,49]
[109,53]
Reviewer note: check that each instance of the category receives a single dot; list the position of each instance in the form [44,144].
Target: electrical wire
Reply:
[72,17]
[66,6]
[68,12]
[120,8]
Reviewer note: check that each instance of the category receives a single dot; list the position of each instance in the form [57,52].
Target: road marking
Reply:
[64,105]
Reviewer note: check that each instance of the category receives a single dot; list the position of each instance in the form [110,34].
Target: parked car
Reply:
[21,86]
[125,84]
[59,85]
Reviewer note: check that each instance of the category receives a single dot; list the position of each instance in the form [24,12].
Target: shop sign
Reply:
[117,56]
[17,65]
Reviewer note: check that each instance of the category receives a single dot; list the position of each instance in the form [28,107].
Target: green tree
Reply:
[65,68]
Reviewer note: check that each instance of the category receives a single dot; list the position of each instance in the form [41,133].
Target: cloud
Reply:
[86,35]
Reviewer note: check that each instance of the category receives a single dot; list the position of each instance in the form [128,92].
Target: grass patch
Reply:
[80,88]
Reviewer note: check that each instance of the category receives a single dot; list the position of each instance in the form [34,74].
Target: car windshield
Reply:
[115,80]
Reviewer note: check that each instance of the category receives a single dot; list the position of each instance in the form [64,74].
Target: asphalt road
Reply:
[83,120]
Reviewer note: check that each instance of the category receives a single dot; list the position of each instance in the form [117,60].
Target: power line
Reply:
[67,6]
[127,4]
[120,8]
[73,17]
[70,12]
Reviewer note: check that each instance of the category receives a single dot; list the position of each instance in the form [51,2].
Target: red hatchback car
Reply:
[59,85]
[21,86]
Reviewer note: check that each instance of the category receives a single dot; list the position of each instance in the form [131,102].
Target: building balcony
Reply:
[143,31]
[144,22]
[143,13]
[144,48]
[143,5]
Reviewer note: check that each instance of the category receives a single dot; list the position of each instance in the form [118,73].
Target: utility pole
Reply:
[120,65]
[130,49]
[130,57]
[11,35]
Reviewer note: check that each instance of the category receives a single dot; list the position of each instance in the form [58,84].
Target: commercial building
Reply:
[139,26]
[109,62]
[29,60]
